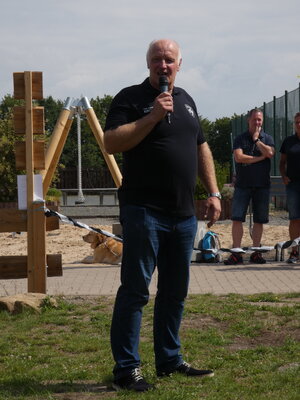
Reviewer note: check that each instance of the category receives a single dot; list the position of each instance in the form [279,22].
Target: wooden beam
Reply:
[99,136]
[15,267]
[56,145]
[14,220]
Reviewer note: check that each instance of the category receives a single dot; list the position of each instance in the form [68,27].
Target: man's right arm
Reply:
[127,136]
[242,158]
[282,168]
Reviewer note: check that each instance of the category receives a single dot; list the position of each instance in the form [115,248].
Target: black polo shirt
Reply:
[160,172]
[257,174]
[291,147]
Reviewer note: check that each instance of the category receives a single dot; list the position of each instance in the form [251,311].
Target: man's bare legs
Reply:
[257,234]
[294,230]
[237,235]
[238,231]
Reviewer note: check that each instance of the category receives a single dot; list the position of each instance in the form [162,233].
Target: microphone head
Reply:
[163,84]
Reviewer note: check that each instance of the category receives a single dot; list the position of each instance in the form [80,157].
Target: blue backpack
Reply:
[210,241]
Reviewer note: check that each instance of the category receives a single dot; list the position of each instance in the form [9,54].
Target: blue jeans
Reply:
[151,239]
[260,197]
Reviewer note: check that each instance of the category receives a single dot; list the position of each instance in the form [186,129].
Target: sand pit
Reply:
[68,240]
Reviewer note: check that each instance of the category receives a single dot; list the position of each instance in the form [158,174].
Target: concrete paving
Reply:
[83,279]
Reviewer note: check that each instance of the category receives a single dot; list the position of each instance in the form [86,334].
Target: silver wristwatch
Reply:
[217,194]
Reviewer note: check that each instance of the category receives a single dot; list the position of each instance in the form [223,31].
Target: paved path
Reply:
[82,279]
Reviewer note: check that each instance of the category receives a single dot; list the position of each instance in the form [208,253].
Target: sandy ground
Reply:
[68,240]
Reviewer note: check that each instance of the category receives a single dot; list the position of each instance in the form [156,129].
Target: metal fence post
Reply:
[286,112]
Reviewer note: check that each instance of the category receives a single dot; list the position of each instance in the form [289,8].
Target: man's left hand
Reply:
[212,210]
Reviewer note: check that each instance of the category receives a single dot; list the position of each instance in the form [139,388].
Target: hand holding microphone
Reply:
[164,87]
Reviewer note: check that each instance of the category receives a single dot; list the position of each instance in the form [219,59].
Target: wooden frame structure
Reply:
[59,136]
[30,155]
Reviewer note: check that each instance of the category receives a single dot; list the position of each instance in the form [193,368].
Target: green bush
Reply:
[222,173]
[53,193]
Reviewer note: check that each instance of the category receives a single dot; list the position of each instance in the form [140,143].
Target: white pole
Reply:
[81,198]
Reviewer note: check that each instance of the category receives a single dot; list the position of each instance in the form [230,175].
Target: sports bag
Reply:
[210,241]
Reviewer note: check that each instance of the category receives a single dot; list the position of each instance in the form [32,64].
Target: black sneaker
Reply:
[187,370]
[234,259]
[257,258]
[294,257]
[133,381]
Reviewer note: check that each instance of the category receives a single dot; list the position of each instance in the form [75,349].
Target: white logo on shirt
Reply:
[190,110]
[147,109]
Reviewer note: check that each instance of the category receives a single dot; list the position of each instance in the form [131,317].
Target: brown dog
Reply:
[106,249]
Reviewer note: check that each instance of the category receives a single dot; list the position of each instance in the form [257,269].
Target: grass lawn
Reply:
[252,343]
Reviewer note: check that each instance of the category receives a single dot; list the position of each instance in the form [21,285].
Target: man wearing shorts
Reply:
[290,172]
[252,151]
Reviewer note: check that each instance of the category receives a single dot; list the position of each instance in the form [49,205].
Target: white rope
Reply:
[279,247]
[71,221]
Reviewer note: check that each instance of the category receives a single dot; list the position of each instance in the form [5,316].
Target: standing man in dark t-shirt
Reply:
[290,171]
[163,147]
[252,151]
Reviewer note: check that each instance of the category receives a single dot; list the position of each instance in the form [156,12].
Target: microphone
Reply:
[164,87]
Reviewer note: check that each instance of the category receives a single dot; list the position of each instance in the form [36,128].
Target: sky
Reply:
[236,54]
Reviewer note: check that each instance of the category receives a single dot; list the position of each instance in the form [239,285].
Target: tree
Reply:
[52,109]
[101,107]
[206,125]
[8,172]
[217,134]
[219,140]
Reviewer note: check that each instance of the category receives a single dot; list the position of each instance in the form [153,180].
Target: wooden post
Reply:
[29,181]
[39,249]
[99,135]
[30,155]
[56,145]
[36,237]
[29,136]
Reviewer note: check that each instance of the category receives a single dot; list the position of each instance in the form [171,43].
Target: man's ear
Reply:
[179,65]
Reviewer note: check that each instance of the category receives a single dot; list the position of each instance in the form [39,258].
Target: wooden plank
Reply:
[37,85]
[30,183]
[52,223]
[54,265]
[38,120]
[38,155]
[15,267]
[14,220]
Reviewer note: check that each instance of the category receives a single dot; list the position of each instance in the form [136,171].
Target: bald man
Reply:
[163,146]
